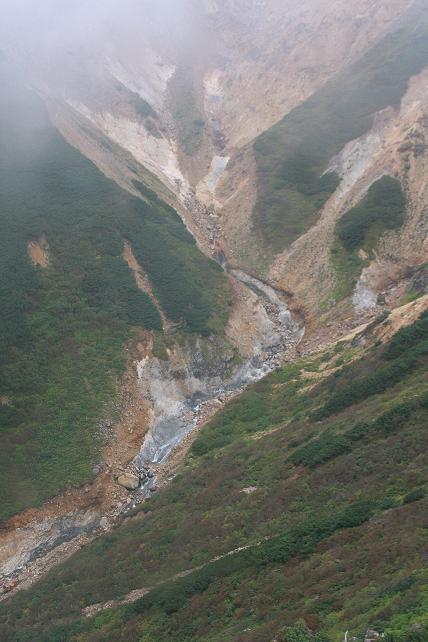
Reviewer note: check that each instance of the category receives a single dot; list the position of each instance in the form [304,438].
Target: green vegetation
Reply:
[145,110]
[332,540]
[142,107]
[159,349]
[300,633]
[406,352]
[360,228]
[293,156]
[328,445]
[407,339]
[63,327]
[384,206]
[184,108]
[418,285]
[417,635]
[246,414]
[191,289]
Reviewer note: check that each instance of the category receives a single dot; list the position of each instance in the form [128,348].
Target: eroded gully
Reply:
[182,393]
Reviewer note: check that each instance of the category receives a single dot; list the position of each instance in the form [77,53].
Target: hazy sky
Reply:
[59,22]
[46,29]
[48,24]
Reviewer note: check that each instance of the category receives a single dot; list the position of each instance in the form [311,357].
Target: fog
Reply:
[47,28]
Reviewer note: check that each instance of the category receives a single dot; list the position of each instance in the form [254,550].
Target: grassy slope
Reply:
[292,156]
[340,475]
[62,328]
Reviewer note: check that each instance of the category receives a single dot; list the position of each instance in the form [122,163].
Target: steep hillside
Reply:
[321,160]
[70,302]
[186,104]
[292,159]
[303,500]
[119,337]
[267,124]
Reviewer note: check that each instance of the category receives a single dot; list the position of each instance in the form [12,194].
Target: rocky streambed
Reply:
[196,381]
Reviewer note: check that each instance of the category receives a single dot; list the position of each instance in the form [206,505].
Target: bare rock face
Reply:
[128,481]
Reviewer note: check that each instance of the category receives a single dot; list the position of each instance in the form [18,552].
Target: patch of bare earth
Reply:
[142,281]
[38,251]
[322,339]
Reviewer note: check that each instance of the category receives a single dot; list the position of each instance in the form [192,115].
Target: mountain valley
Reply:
[213,393]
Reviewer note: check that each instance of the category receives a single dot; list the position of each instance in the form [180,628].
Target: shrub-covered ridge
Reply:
[63,327]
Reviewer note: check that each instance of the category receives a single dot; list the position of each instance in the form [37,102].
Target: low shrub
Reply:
[407,338]
[414,496]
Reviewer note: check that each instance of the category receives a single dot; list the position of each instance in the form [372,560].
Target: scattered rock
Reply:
[130,482]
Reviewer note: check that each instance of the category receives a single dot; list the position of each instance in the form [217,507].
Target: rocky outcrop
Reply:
[200,376]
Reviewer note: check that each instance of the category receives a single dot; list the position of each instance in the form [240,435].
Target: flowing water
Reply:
[181,399]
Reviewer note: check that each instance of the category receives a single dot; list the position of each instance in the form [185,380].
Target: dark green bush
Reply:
[406,338]
[365,387]
[414,496]
[417,635]
[384,205]
[329,446]
[321,450]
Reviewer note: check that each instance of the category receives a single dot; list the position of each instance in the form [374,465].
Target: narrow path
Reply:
[136,594]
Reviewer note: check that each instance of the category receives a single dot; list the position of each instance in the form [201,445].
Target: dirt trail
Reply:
[136,594]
